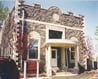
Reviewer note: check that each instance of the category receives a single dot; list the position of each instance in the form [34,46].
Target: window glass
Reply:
[72,53]
[33,49]
[55,34]
[53,54]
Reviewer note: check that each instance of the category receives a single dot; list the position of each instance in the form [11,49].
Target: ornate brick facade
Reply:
[40,19]
[37,13]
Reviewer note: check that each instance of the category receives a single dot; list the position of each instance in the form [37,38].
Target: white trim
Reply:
[76,57]
[55,28]
[25,69]
[39,40]
[52,24]
[60,41]
[63,58]
[48,61]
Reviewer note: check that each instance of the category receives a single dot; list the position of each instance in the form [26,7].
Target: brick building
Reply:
[54,38]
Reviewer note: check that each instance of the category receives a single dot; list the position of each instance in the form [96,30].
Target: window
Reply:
[34,45]
[53,54]
[55,34]
[33,49]
[72,53]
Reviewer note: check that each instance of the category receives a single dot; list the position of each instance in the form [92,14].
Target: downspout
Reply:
[22,38]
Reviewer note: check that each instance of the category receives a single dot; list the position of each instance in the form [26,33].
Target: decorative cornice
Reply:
[52,24]
[35,12]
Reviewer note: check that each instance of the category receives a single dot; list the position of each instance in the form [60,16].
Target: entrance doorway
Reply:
[54,57]
[70,57]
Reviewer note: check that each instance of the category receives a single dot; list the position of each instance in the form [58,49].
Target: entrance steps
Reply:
[54,70]
[73,70]
[65,74]
[57,72]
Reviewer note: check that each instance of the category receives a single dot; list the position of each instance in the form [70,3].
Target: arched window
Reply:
[33,49]
[34,45]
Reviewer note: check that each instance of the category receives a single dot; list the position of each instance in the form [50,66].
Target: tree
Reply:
[3,12]
[90,46]
[96,33]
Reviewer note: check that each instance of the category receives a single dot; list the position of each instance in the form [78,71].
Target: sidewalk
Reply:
[93,74]
[36,78]
[59,74]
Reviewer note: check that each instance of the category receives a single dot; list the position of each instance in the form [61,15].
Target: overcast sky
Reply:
[88,8]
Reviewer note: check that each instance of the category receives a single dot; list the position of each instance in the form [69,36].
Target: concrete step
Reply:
[65,74]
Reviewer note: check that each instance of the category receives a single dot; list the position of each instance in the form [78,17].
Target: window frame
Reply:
[35,36]
[35,57]
[56,28]
[55,50]
[72,51]
[57,32]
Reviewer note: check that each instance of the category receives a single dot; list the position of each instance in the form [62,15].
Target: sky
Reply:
[87,8]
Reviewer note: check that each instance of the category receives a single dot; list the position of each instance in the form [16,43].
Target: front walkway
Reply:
[93,74]
[58,74]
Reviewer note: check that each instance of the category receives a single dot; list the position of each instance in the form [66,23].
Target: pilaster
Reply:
[48,61]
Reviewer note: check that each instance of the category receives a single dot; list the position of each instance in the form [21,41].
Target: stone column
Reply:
[48,61]
[77,53]
[63,58]
[76,57]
